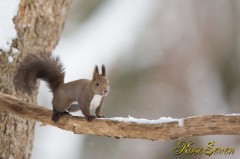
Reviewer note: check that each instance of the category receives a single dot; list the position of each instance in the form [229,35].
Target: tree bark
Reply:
[193,126]
[39,24]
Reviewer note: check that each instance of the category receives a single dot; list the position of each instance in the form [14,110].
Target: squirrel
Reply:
[89,94]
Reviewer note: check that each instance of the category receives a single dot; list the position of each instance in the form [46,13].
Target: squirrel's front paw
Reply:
[90,117]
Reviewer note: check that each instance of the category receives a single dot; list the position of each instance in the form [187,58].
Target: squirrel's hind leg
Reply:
[60,106]
[56,116]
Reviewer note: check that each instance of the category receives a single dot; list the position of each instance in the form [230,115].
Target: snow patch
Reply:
[10,59]
[8,10]
[26,25]
[146,121]
[233,114]
[15,51]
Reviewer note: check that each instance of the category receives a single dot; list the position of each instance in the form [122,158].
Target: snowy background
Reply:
[164,59]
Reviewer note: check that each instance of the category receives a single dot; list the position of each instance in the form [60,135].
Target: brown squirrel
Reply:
[89,94]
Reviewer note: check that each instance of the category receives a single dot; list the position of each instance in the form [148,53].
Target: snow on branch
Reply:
[163,129]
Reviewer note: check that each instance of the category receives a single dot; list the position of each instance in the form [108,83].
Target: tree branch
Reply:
[193,126]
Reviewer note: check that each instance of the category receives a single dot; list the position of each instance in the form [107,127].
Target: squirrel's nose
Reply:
[105,91]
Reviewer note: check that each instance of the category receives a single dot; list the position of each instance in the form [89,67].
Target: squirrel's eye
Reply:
[97,84]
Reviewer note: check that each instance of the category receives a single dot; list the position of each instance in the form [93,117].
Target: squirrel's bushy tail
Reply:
[39,66]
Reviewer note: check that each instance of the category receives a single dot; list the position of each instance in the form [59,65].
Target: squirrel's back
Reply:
[39,66]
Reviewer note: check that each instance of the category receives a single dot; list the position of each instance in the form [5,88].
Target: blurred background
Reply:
[164,58]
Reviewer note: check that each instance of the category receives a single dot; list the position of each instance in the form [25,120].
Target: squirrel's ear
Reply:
[95,73]
[103,70]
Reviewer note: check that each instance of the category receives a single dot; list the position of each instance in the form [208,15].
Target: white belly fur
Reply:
[95,102]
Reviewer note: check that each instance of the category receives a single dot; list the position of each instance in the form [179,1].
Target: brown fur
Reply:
[48,68]
[39,66]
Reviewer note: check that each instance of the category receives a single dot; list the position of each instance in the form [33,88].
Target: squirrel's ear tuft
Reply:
[95,73]
[103,70]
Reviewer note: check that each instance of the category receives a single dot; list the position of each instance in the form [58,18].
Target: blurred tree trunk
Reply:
[39,24]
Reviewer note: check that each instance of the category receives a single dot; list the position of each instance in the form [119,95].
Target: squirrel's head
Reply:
[100,83]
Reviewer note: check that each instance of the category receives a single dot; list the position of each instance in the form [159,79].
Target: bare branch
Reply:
[194,126]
